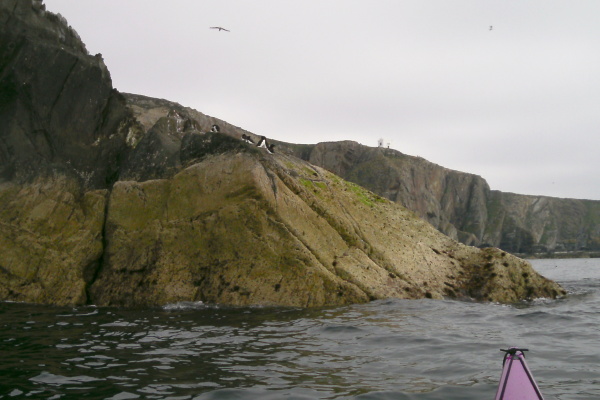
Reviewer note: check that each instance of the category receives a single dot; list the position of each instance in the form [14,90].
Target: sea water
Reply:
[391,349]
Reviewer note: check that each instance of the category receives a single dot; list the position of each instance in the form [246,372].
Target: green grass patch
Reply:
[310,172]
[306,183]
[364,196]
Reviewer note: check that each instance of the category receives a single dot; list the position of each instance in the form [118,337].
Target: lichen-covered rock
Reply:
[248,228]
[50,241]
[210,233]
[494,275]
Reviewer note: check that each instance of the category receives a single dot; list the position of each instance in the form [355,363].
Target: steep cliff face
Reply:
[539,224]
[62,130]
[58,110]
[130,201]
[461,205]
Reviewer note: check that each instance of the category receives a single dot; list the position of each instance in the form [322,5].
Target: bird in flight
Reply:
[220,29]
[491,27]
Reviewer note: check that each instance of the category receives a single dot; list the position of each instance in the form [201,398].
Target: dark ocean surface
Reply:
[394,349]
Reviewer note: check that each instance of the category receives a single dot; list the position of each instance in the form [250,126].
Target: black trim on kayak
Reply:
[520,357]
[512,351]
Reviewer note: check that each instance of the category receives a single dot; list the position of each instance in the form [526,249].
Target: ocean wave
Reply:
[186,305]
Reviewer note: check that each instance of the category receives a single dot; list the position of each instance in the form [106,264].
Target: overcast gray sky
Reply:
[518,104]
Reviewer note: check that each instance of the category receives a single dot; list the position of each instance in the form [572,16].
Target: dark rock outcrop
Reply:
[58,110]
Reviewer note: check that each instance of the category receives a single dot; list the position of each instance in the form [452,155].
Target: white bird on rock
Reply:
[263,143]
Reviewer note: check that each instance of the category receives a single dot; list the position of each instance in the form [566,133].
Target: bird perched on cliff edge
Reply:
[247,139]
[220,29]
[263,143]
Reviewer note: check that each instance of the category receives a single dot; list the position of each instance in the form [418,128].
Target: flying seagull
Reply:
[220,29]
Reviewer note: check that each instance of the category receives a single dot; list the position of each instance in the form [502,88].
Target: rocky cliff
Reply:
[123,200]
[462,205]
[58,110]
